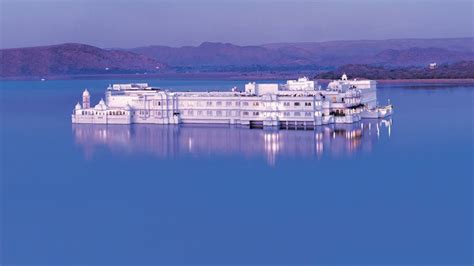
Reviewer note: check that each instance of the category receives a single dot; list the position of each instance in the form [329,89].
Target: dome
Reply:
[101,105]
[333,85]
[85,93]
[78,106]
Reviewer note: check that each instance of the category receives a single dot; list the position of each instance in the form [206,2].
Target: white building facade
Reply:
[298,104]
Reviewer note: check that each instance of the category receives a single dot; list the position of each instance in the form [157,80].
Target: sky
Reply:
[127,23]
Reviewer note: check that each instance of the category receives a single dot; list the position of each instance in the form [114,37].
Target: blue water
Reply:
[398,191]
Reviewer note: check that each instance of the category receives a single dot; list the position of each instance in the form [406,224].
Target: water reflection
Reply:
[172,141]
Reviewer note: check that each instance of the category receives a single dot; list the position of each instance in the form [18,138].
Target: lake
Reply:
[392,191]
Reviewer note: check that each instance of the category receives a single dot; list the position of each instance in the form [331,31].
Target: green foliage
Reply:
[459,70]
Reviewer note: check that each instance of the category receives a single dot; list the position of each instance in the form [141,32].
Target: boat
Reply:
[378,112]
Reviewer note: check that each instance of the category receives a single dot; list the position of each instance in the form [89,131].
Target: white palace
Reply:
[298,104]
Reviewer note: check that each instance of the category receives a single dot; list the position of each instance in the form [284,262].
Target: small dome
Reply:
[78,106]
[85,93]
[333,85]
[101,105]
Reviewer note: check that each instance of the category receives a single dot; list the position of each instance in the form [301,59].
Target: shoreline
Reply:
[225,76]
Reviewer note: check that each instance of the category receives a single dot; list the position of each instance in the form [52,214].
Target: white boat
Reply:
[378,112]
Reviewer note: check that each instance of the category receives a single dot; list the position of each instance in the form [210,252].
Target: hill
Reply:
[217,58]
[459,70]
[72,59]
[401,52]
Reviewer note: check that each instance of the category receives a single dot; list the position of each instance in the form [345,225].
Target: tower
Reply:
[86,99]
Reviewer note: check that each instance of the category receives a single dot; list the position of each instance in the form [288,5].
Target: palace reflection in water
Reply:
[173,141]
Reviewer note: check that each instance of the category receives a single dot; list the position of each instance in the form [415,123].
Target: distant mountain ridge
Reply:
[71,59]
[330,54]
[209,57]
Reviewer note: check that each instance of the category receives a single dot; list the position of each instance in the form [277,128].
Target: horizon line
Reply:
[242,45]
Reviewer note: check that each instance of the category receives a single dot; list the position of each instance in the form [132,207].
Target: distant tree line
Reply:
[459,70]
[248,68]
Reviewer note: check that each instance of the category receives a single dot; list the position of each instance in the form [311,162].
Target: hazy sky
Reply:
[127,23]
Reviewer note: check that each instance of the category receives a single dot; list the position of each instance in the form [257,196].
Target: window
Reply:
[209,112]
[256,113]
[227,113]
[307,104]
[286,104]
[219,103]
[297,104]
[246,103]
[199,112]
[228,103]
[297,113]
[209,103]
[245,113]
[256,104]
[190,112]
[219,113]
[307,113]
[286,113]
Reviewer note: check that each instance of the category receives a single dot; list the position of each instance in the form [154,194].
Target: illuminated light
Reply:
[190,144]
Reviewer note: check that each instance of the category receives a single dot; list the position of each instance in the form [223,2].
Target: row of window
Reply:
[244,103]
[114,113]
[297,114]
[245,113]
[211,113]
